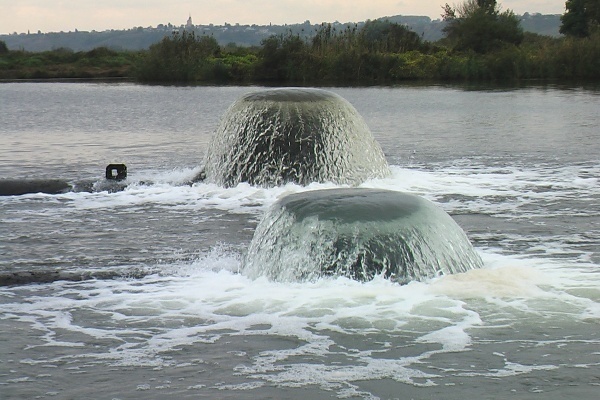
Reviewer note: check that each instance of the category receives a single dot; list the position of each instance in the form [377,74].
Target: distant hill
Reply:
[541,24]
[244,35]
[432,30]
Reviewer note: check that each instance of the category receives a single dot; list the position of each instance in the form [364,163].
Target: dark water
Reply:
[517,168]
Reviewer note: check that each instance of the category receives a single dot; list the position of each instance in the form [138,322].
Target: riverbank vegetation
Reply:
[65,64]
[482,43]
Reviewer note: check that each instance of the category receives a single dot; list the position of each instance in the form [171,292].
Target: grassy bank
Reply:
[66,64]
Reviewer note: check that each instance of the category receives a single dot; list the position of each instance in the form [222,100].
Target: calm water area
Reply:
[517,168]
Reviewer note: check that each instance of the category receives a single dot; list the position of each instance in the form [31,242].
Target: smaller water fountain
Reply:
[357,233]
[272,137]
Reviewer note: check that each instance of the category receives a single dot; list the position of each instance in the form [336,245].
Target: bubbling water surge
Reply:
[358,233]
[276,136]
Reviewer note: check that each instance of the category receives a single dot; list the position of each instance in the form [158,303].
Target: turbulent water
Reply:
[516,168]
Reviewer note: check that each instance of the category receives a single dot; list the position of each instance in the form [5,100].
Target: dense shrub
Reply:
[182,57]
[480,26]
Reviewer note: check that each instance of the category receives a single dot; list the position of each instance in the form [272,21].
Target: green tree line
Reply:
[482,42]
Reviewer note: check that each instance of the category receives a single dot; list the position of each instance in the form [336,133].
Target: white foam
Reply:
[207,300]
[466,186]
[452,338]
[492,190]
[486,189]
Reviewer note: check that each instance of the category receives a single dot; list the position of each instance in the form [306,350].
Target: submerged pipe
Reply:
[17,187]
[36,277]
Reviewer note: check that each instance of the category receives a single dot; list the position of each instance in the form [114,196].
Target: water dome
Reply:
[301,135]
[357,233]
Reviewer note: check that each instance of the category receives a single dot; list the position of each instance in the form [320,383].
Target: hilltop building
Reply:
[189,23]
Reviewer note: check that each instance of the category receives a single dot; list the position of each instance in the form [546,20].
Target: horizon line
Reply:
[75,30]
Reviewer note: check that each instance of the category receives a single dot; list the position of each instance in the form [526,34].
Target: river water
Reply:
[517,168]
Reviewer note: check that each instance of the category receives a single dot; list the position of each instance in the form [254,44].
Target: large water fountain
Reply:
[276,136]
[357,233]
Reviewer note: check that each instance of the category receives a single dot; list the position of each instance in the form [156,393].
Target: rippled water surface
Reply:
[517,168]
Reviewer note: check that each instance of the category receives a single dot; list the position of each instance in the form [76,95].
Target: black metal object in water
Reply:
[117,172]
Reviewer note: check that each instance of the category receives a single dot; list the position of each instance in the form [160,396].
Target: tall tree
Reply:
[579,17]
[488,5]
[178,58]
[479,25]
[284,58]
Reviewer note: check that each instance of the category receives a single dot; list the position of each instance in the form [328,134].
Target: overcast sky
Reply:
[67,15]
